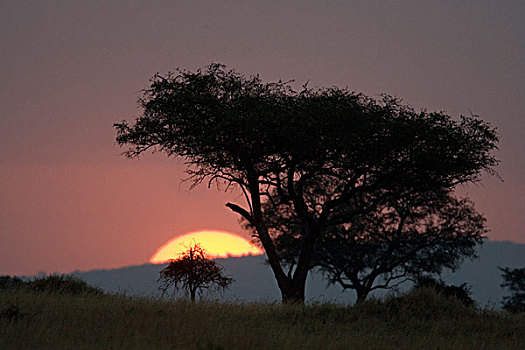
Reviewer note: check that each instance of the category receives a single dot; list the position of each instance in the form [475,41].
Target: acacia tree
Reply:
[193,272]
[275,144]
[392,244]
[400,238]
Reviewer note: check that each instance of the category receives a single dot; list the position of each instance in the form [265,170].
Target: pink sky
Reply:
[69,70]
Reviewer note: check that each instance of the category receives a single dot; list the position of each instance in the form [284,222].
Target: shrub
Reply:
[461,292]
[10,283]
[63,284]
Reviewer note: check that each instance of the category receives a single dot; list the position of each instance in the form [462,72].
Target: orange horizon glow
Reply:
[218,244]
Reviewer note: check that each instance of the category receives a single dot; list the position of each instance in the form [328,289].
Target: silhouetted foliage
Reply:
[514,281]
[318,152]
[381,248]
[10,283]
[57,284]
[193,272]
[63,284]
[461,292]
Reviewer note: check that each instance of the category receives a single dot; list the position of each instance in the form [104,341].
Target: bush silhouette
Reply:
[10,283]
[56,284]
[63,284]
[461,292]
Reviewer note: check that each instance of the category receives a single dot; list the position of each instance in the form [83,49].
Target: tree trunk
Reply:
[293,293]
[292,289]
[361,295]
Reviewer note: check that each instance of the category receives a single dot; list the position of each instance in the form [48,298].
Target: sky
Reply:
[68,70]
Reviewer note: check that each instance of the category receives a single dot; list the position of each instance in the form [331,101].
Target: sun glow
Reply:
[218,244]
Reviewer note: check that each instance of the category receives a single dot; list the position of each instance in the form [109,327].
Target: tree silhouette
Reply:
[277,145]
[402,237]
[514,281]
[193,272]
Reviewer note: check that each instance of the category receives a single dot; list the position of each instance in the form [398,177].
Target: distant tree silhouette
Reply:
[514,281]
[320,152]
[193,272]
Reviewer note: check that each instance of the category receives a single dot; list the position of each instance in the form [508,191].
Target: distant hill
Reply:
[254,279]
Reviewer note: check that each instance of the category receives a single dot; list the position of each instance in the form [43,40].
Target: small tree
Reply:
[193,272]
[514,280]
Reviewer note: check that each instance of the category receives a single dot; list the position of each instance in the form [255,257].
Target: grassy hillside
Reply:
[32,319]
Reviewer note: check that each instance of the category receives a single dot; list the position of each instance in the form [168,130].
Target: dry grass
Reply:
[421,320]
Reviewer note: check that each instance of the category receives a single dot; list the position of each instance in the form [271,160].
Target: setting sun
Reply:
[218,244]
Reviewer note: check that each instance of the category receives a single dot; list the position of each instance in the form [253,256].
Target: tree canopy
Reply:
[193,272]
[277,145]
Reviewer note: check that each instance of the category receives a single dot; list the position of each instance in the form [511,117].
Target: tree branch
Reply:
[241,211]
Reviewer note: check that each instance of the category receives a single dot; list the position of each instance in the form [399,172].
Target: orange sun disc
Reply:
[218,244]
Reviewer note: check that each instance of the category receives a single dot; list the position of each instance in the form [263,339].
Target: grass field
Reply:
[419,320]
